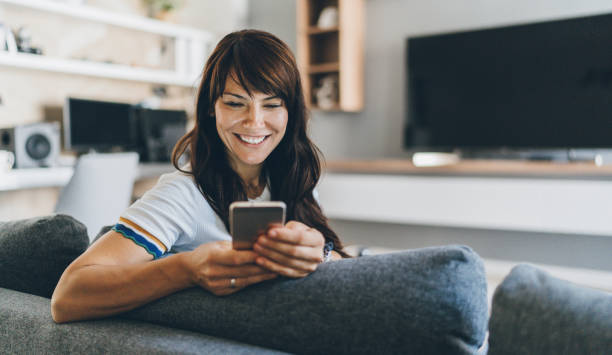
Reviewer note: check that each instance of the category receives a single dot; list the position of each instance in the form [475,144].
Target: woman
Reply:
[249,142]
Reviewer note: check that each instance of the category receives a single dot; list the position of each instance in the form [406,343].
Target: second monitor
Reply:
[159,132]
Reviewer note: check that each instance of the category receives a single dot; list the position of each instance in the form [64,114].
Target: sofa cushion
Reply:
[26,327]
[425,301]
[535,313]
[34,252]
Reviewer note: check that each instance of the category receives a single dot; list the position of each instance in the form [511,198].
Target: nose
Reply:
[255,117]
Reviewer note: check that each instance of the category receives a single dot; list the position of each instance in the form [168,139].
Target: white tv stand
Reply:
[546,197]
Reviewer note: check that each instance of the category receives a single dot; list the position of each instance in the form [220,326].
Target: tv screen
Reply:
[541,85]
[98,125]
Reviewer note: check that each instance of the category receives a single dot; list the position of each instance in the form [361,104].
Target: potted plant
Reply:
[161,9]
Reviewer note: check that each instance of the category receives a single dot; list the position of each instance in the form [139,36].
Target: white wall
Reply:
[377,131]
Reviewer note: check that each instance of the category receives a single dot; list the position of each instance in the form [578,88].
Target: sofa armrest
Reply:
[535,313]
[26,327]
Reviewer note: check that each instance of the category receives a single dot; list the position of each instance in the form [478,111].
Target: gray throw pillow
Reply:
[424,301]
[535,313]
[34,252]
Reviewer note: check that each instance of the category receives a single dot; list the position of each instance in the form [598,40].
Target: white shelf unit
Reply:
[191,47]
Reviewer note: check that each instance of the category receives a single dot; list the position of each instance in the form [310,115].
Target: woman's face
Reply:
[250,127]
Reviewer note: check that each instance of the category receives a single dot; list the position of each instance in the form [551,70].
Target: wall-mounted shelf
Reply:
[191,46]
[103,70]
[334,52]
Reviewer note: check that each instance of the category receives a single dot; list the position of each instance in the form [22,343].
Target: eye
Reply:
[233,104]
[273,105]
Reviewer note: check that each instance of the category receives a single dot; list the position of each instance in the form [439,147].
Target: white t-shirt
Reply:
[173,216]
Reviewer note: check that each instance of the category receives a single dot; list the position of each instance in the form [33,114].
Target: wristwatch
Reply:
[327,251]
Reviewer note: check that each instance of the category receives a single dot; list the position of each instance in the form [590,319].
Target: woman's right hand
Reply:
[214,265]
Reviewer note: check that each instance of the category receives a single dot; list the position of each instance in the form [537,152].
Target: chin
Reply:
[253,161]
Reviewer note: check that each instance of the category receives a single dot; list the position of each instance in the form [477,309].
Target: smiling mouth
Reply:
[251,139]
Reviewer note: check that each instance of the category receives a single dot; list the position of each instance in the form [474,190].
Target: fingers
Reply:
[221,287]
[299,235]
[224,272]
[286,270]
[308,253]
[216,264]
[294,250]
[222,253]
[289,261]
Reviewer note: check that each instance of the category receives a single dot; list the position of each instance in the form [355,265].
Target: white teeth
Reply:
[252,140]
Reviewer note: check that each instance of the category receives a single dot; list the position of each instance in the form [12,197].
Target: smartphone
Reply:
[250,219]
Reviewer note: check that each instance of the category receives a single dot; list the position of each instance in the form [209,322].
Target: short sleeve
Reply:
[315,194]
[163,214]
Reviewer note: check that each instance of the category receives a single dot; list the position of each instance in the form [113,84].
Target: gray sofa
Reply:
[424,301]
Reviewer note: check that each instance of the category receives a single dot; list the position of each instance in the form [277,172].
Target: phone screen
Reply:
[248,220]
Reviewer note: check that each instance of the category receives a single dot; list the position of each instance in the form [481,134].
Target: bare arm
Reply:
[115,275]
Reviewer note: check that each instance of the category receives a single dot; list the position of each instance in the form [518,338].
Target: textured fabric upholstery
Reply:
[425,301]
[26,327]
[34,252]
[535,313]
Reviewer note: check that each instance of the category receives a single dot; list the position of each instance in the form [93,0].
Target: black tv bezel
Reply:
[543,152]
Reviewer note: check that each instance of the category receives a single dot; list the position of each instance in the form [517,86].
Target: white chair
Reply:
[100,189]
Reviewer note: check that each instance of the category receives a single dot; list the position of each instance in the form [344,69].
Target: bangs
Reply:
[256,69]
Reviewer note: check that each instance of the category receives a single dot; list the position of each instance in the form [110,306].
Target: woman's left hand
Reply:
[294,250]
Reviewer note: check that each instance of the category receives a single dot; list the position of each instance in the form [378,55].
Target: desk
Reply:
[21,179]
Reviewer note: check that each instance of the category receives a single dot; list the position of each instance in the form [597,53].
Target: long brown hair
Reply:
[261,62]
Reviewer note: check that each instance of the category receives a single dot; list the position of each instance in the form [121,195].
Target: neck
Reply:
[250,176]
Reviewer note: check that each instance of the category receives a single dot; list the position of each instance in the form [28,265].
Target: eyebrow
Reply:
[244,98]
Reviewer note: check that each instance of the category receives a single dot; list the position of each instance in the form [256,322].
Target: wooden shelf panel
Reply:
[333,109]
[314,30]
[473,167]
[324,68]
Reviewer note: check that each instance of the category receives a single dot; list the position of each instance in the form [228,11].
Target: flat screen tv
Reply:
[544,85]
[99,125]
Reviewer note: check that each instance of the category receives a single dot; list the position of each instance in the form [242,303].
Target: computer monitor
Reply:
[159,132]
[99,125]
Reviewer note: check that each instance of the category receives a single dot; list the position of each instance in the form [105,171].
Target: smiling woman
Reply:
[249,143]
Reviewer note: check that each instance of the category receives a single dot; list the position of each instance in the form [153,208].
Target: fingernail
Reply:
[259,261]
[272,233]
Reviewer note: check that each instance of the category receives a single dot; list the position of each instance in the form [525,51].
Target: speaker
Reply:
[34,145]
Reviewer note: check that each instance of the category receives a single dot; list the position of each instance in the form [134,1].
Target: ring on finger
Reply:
[232,283]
